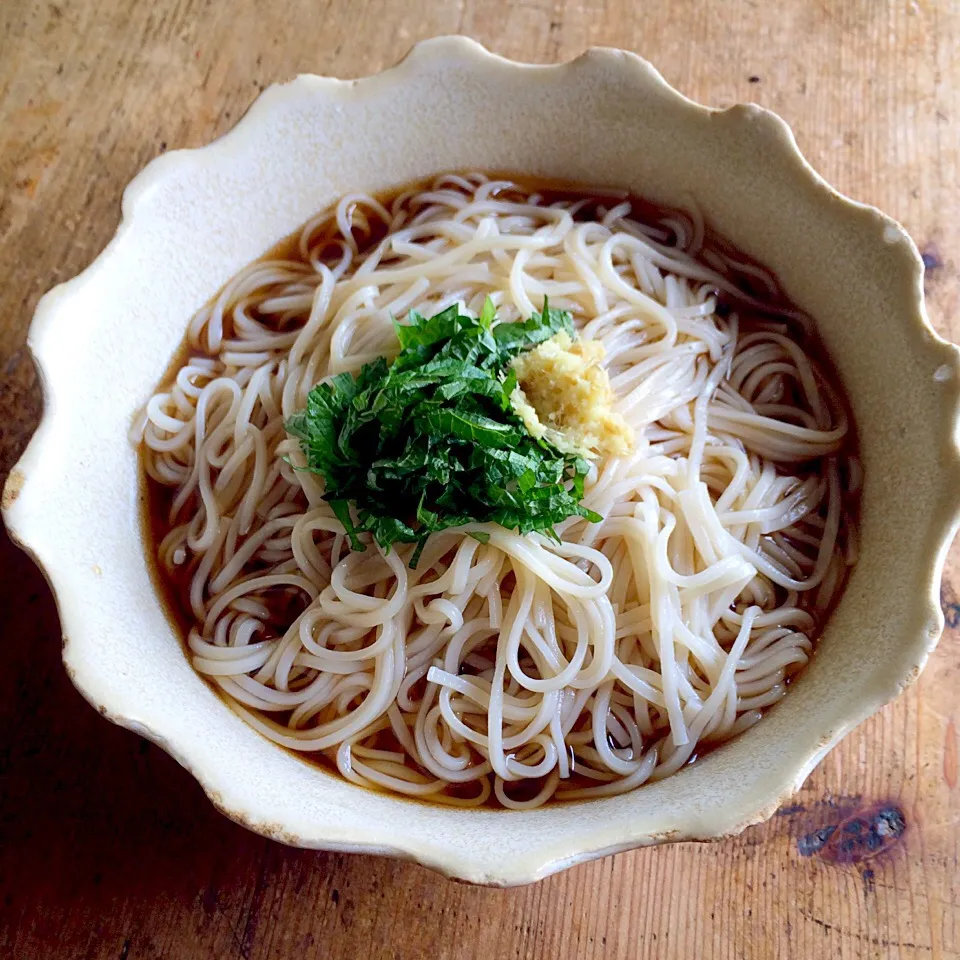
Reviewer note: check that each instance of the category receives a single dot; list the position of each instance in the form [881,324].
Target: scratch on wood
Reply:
[856,935]
[950,754]
[252,917]
[841,803]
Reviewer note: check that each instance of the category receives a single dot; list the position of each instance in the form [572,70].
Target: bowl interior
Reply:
[192,219]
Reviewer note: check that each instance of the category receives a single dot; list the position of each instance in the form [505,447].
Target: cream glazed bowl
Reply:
[193,218]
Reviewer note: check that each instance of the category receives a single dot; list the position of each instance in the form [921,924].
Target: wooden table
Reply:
[109,849]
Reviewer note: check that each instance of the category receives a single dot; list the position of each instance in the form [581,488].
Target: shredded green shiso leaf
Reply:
[431,441]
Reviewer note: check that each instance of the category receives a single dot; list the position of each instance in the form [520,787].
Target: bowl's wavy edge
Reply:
[460,864]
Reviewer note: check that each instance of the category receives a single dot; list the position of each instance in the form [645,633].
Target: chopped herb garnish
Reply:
[431,441]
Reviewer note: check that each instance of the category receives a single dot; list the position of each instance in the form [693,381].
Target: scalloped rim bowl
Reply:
[193,218]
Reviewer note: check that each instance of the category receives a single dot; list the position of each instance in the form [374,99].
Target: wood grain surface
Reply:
[109,850]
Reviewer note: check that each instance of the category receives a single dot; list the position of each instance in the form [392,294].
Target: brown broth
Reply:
[156,499]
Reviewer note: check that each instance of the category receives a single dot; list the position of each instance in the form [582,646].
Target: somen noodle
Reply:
[520,667]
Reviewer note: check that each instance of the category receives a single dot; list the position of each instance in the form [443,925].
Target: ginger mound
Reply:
[564,396]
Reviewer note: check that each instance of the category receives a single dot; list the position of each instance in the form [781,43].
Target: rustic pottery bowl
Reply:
[194,217]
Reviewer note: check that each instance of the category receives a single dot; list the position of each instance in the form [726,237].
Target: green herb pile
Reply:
[431,441]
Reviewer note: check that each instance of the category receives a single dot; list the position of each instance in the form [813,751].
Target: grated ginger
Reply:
[564,396]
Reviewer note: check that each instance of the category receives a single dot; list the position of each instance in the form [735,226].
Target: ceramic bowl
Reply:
[193,218]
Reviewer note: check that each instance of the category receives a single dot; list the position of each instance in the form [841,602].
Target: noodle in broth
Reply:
[518,670]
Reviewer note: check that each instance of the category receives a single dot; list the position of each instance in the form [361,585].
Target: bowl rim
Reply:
[944,513]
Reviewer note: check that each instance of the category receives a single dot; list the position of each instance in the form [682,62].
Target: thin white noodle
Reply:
[582,668]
